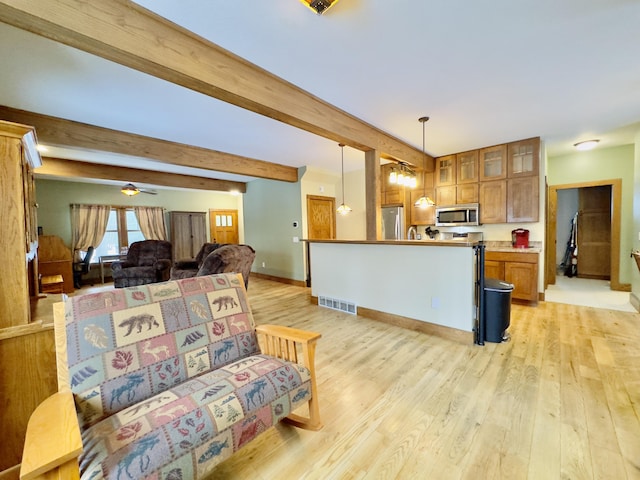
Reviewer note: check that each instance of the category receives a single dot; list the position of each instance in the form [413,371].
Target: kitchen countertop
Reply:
[429,243]
[502,246]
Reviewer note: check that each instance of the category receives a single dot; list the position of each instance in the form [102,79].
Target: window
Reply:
[122,231]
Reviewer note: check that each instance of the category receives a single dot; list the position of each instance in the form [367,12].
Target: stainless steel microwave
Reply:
[457,215]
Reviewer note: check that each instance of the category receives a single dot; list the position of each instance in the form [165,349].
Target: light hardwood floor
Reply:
[559,401]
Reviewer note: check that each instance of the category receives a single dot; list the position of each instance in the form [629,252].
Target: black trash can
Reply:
[497,309]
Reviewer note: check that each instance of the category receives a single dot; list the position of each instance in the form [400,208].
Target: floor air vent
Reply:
[336,304]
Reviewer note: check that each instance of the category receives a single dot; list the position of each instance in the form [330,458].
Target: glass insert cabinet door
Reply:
[493,163]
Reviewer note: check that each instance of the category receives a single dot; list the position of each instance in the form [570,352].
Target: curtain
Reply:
[151,221]
[88,224]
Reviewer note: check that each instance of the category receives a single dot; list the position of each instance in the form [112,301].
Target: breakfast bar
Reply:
[428,286]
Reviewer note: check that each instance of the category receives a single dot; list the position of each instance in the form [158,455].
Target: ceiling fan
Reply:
[130,189]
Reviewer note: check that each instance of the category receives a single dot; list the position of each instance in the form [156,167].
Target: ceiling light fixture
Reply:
[319,6]
[343,209]
[586,145]
[130,189]
[424,201]
[403,175]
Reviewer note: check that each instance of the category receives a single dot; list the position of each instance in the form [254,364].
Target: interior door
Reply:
[594,232]
[223,226]
[321,218]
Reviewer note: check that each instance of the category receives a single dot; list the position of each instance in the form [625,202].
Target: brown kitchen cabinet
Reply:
[445,171]
[493,201]
[467,193]
[523,157]
[390,193]
[446,195]
[467,167]
[517,268]
[492,163]
[523,199]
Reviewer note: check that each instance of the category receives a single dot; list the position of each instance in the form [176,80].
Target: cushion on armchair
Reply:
[148,261]
[189,268]
[229,258]
[169,380]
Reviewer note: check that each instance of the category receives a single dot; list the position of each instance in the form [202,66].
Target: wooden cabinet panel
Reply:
[467,167]
[445,171]
[188,233]
[523,199]
[422,216]
[393,196]
[524,277]
[517,268]
[446,195]
[493,163]
[389,193]
[494,269]
[493,201]
[467,193]
[523,158]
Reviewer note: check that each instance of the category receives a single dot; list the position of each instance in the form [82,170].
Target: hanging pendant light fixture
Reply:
[403,175]
[343,209]
[424,201]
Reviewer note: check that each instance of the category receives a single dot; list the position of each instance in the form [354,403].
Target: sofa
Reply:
[229,258]
[168,380]
[148,261]
[189,268]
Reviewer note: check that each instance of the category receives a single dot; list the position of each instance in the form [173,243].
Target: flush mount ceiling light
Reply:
[586,145]
[319,6]
[424,201]
[343,209]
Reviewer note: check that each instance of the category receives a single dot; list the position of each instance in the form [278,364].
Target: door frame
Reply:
[552,213]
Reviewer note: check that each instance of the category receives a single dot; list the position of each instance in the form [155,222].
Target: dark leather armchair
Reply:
[229,258]
[82,268]
[189,268]
[148,261]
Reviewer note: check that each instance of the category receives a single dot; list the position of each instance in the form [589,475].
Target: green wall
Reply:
[635,275]
[603,164]
[270,208]
[54,198]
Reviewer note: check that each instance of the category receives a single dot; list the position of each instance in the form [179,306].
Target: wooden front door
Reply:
[594,232]
[223,226]
[321,217]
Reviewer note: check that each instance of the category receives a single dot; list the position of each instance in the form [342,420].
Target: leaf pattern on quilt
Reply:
[218,328]
[138,296]
[96,336]
[122,360]
[129,431]
[199,309]
[166,292]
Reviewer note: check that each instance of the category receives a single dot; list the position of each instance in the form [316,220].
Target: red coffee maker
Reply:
[520,238]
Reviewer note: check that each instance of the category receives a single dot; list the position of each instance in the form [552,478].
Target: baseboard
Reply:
[288,281]
[459,336]
[635,301]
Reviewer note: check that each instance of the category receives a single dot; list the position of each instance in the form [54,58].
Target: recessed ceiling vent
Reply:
[335,304]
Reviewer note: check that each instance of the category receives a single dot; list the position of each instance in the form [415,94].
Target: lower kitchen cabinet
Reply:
[517,268]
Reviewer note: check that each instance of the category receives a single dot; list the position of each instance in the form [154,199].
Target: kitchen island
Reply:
[424,285]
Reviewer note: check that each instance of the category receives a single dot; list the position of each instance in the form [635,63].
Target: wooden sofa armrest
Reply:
[282,342]
[53,437]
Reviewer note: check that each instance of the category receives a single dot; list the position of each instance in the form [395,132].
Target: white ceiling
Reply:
[485,72]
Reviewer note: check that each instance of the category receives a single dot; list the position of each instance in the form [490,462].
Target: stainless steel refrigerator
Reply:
[393,223]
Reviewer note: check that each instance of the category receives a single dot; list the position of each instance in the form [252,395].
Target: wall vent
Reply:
[335,304]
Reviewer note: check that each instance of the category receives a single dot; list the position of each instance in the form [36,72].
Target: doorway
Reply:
[599,207]
[223,226]
[321,218]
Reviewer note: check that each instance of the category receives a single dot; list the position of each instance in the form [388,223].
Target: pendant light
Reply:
[343,209]
[424,201]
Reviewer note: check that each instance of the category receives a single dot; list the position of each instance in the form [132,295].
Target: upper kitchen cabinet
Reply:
[523,199]
[493,163]
[523,158]
[467,167]
[390,193]
[445,171]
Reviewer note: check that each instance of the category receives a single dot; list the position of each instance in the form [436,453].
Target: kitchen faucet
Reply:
[412,232]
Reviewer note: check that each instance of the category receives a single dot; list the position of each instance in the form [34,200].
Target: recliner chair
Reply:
[148,261]
[189,268]
[229,258]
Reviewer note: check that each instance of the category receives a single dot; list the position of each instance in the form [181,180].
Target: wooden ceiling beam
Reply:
[66,133]
[128,34]
[57,167]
